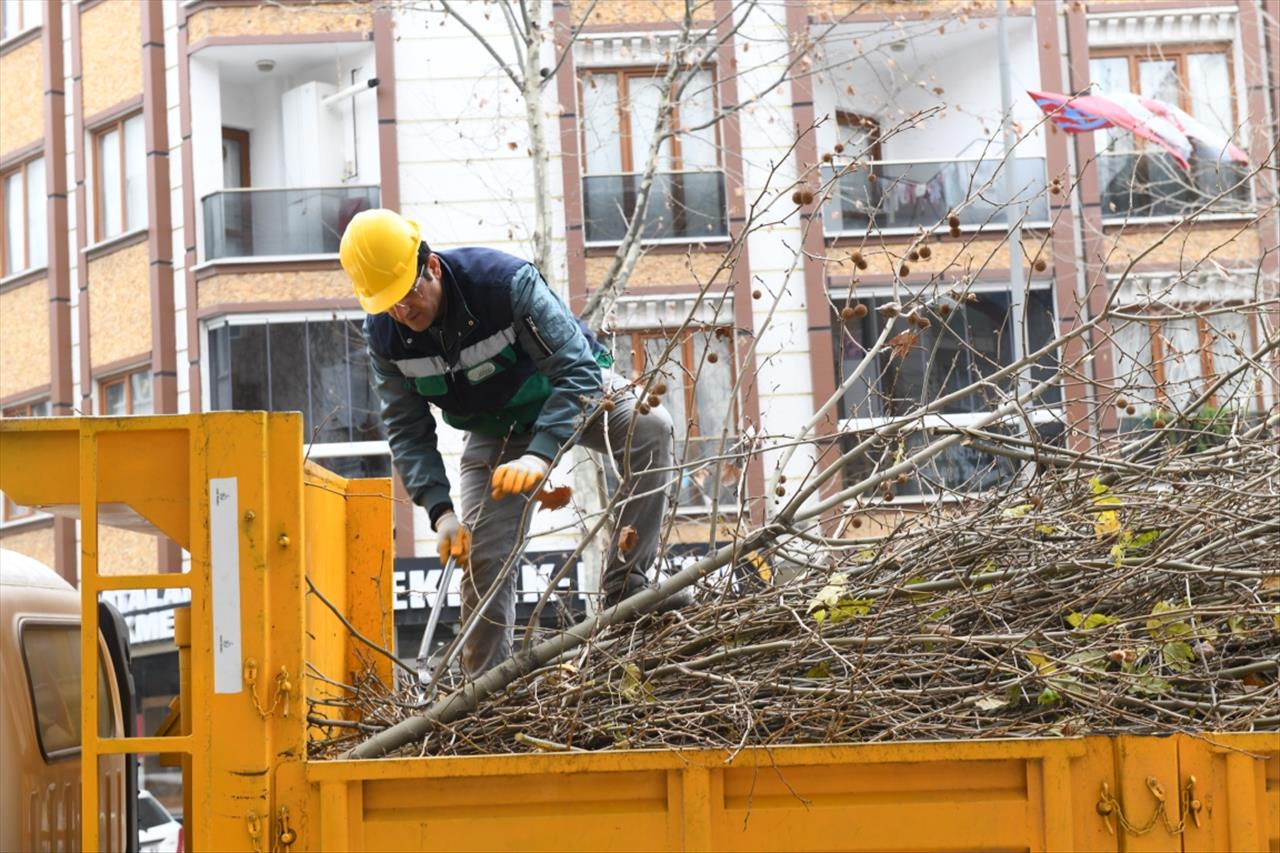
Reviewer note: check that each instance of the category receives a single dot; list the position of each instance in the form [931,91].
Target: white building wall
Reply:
[466,173]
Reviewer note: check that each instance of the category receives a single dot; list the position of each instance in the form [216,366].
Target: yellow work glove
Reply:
[520,476]
[452,539]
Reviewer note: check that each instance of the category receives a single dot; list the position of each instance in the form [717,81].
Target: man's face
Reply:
[419,307]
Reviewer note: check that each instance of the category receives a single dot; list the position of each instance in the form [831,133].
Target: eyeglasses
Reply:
[417,283]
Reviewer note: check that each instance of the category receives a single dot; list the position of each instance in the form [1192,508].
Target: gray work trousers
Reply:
[495,526]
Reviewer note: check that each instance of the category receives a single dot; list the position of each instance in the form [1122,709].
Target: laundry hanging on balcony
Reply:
[1161,123]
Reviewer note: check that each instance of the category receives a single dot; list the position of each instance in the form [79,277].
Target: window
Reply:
[315,366]
[51,653]
[699,376]
[620,110]
[120,177]
[126,394]
[38,409]
[23,241]
[1140,179]
[965,341]
[18,16]
[1167,362]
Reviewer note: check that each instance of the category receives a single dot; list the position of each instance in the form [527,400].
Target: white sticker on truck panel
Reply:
[224,557]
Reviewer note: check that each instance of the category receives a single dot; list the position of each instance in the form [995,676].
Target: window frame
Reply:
[316,450]
[123,378]
[1136,54]
[22,167]
[1155,322]
[637,337]
[23,26]
[624,74]
[860,426]
[96,134]
[106,678]
[10,512]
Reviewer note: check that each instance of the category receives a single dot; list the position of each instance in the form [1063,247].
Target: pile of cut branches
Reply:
[1136,597]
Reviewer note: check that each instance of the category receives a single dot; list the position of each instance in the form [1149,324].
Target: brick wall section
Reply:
[283,286]
[24,337]
[951,257]
[217,21]
[120,305]
[126,552]
[111,61]
[1232,246]
[21,117]
[35,541]
[614,13]
[661,270]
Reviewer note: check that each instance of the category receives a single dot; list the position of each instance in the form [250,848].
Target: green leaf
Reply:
[1048,697]
[1091,659]
[1089,622]
[1152,684]
[1017,511]
[1144,539]
[917,597]
[1042,664]
[633,687]
[940,614]
[1177,655]
[1235,624]
[1046,529]
[848,608]
[822,670]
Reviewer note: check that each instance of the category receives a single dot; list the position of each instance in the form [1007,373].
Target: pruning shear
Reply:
[424,649]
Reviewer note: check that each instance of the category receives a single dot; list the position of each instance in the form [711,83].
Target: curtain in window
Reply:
[1209,85]
[109,220]
[1181,361]
[14,257]
[135,174]
[1231,341]
[601,128]
[646,97]
[1134,374]
[37,227]
[697,108]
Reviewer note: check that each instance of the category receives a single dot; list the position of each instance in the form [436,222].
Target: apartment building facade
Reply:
[177,175]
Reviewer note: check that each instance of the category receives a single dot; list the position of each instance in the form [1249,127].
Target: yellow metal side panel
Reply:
[326,562]
[369,573]
[941,796]
[1140,761]
[1237,781]
[563,811]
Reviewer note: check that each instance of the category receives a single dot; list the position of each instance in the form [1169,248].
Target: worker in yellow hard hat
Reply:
[481,336]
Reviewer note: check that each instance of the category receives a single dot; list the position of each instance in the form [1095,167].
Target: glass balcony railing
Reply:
[682,205]
[908,195]
[1150,183]
[249,223]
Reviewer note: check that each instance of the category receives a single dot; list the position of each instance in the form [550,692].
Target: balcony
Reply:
[254,223]
[1151,184]
[907,195]
[688,206]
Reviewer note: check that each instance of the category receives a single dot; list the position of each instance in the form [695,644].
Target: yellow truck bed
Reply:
[235,491]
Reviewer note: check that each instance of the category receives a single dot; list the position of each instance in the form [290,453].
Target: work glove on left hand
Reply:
[453,539]
[520,476]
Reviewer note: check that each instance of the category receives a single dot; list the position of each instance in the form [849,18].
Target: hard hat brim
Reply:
[388,296]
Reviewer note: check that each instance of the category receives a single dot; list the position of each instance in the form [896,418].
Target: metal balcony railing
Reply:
[910,194]
[682,206]
[1152,184]
[249,223]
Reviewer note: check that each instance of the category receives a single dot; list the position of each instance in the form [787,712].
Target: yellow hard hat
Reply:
[379,251]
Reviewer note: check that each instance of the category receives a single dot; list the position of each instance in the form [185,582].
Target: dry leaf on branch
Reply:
[556,498]
[903,343]
[627,538]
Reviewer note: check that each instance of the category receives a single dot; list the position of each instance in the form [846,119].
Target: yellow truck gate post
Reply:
[259,523]
[230,489]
